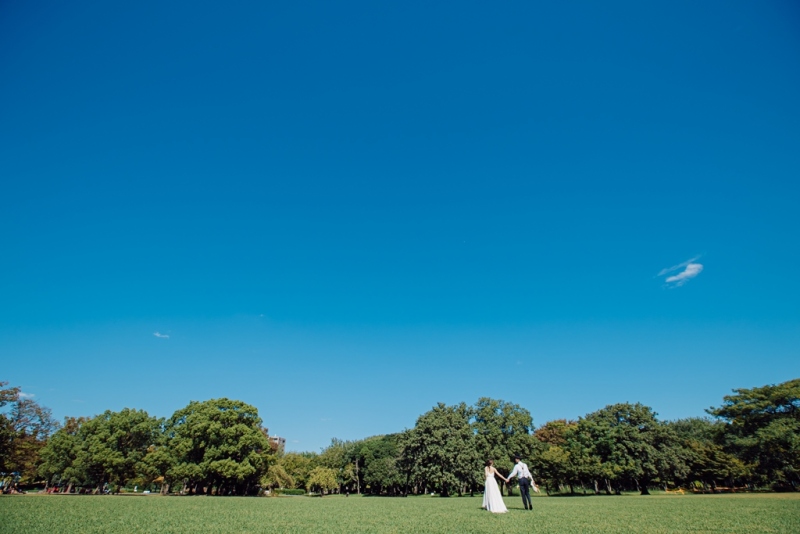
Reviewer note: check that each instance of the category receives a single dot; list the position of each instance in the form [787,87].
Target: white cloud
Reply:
[679,266]
[160,335]
[690,271]
[23,395]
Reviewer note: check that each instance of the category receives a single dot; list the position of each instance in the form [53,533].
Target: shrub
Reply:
[290,492]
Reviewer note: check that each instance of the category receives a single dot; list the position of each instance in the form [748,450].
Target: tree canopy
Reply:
[220,447]
[218,443]
[762,427]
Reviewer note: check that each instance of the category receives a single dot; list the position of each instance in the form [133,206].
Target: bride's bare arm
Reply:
[496,472]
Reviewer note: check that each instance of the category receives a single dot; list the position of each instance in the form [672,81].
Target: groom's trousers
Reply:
[525,490]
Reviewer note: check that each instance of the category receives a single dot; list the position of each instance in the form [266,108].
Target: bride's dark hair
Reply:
[489,462]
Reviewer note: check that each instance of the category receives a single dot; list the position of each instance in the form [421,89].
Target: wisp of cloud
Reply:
[690,270]
[160,335]
[679,266]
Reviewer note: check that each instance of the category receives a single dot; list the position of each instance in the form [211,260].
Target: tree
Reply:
[58,457]
[342,458]
[24,430]
[298,466]
[382,475]
[31,425]
[7,396]
[441,451]
[112,446]
[555,462]
[763,429]
[277,477]
[502,430]
[706,460]
[376,457]
[631,445]
[322,479]
[218,444]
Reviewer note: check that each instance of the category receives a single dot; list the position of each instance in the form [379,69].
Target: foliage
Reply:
[763,429]
[7,396]
[562,456]
[378,458]
[502,430]
[24,430]
[342,457]
[113,445]
[322,480]
[59,456]
[218,444]
[277,477]
[631,445]
[298,466]
[441,450]
[706,460]
[292,491]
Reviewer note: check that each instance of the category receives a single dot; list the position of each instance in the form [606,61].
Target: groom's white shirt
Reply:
[521,471]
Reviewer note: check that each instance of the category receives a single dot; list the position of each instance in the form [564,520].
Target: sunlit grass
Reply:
[779,513]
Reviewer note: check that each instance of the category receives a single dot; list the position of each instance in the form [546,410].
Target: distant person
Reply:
[522,472]
[492,498]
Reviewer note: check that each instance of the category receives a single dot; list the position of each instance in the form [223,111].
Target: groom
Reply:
[522,472]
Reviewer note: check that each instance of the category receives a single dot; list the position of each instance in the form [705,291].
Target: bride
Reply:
[492,498]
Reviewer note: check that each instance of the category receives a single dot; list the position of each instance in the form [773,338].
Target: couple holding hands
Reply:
[493,499]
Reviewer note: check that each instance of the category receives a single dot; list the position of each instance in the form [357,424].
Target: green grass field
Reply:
[745,513]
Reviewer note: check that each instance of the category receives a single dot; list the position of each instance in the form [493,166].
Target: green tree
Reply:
[382,476]
[219,445]
[58,458]
[630,444]
[7,396]
[556,461]
[322,480]
[299,466]
[707,462]
[113,446]
[25,427]
[376,457]
[502,430]
[440,451]
[29,426]
[277,477]
[341,456]
[763,429]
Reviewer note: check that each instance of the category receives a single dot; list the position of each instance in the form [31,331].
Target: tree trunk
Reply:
[358,480]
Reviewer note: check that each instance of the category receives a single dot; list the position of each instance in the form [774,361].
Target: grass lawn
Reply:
[745,513]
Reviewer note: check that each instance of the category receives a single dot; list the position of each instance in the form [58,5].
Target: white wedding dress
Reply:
[492,498]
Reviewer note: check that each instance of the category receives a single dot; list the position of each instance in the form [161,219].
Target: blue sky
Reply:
[344,213]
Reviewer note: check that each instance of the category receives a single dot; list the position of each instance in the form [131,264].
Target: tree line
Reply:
[220,447]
